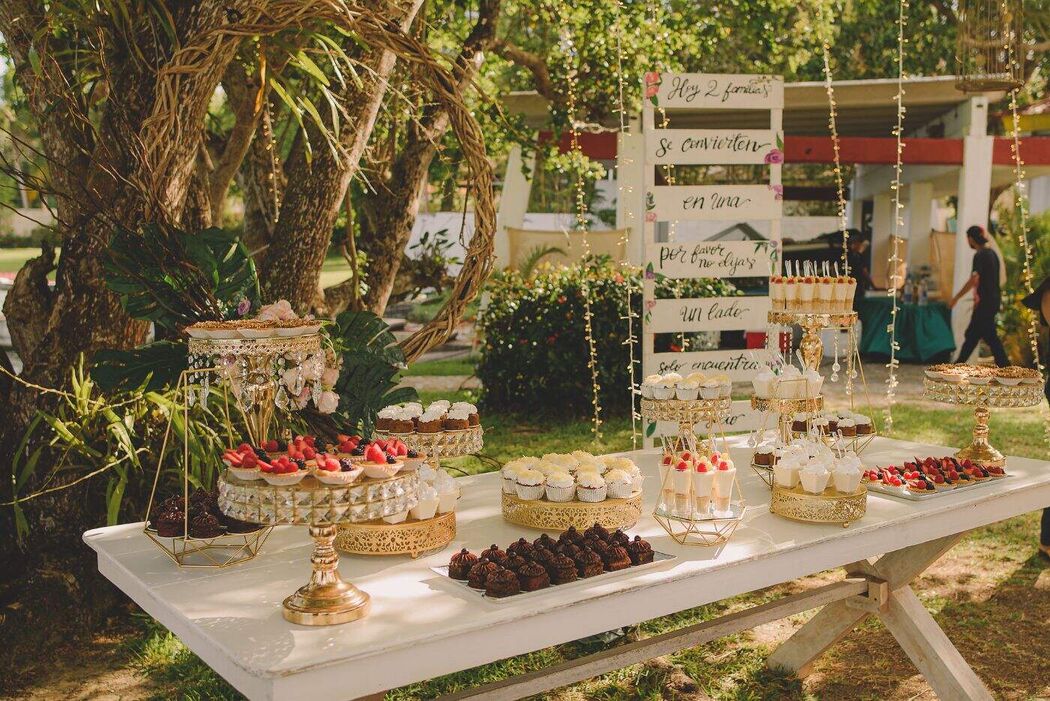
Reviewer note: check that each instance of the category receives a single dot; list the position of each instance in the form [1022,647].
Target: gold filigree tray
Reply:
[990,395]
[410,537]
[788,406]
[686,411]
[442,444]
[810,319]
[558,516]
[829,507]
[311,503]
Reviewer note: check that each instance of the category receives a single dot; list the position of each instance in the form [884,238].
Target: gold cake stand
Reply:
[327,599]
[829,507]
[812,323]
[558,516]
[982,397]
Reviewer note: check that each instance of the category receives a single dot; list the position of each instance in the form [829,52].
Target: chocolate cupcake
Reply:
[589,564]
[616,559]
[598,546]
[502,583]
[569,549]
[236,526]
[171,524]
[562,570]
[480,572]
[461,563]
[571,536]
[515,562]
[620,538]
[533,576]
[205,525]
[597,531]
[639,551]
[494,554]
[541,555]
[545,541]
[520,547]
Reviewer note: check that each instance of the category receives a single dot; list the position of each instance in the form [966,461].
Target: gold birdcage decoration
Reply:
[989,48]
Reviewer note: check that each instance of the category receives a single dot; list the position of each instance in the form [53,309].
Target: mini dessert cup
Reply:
[851,291]
[338,477]
[805,294]
[381,470]
[425,508]
[245,473]
[703,482]
[447,501]
[666,486]
[776,292]
[786,474]
[723,488]
[823,299]
[681,493]
[791,294]
[846,482]
[814,481]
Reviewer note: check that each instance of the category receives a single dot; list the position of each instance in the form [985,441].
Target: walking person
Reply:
[984,281]
[1039,302]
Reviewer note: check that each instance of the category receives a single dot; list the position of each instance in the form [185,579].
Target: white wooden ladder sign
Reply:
[675,95]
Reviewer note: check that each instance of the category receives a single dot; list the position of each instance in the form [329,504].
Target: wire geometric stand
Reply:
[675,510]
[982,397]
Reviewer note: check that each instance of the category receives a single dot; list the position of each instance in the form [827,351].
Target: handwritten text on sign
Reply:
[720,91]
[715,259]
[700,146]
[709,314]
[715,202]
[740,365]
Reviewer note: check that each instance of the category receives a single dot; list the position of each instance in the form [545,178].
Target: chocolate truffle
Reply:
[616,559]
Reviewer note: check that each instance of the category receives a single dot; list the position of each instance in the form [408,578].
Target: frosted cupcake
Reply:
[847,427]
[648,384]
[530,484]
[687,390]
[591,487]
[710,389]
[561,487]
[664,389]
[546,467]
[864,425]
[619,483]
[510,476]
[592,465]
[582,455]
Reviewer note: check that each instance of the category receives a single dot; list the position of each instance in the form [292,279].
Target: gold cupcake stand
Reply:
[982,397]
[413,537]
[830,507]
[327,599]
[710,529]
[558,516]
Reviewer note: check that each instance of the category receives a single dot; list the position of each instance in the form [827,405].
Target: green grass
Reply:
[445,367]
[732,667]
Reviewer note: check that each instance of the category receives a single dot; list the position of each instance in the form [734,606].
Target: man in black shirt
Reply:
[984,280]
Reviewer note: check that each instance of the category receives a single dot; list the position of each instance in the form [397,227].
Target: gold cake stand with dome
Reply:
[413,537]
[707,530]
[327,599]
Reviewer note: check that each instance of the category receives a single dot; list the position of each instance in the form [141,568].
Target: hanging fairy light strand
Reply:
[582,224]
[627,197]
[833,128]
[1021,207]
[898,220]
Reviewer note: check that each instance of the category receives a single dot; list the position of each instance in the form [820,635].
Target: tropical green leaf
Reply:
[152,367]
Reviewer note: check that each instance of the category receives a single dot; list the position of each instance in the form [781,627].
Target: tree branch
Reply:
[944,7]
[534,64]
[247,94]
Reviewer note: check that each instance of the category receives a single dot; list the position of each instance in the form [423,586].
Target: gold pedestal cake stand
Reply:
[982,397]
[327,599]
[412,537]
[830,507]
[558,516]
[690,529]
[812,323]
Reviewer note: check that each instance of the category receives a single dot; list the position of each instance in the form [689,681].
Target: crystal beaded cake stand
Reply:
[982,397]
[327,599]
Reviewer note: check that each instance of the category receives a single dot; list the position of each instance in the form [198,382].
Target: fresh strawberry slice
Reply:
[375,454]
[309,453]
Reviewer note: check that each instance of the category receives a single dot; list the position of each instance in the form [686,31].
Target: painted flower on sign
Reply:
[652,77]
[651,90]
[650,216]
[650,304]
[775,156]
[778,191]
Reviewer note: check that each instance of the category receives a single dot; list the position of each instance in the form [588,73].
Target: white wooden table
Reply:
[423,625]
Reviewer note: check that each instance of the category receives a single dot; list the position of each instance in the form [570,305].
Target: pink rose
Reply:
[329,377]
[650,216]
[302,399]
[651,90]
[775,156]
[327,402]
[778,191]
[652,77]
[651,304]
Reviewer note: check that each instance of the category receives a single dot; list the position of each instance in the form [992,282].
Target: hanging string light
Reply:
[627,197]
[1021,207]
[898,220]
[833,128]
[583,224]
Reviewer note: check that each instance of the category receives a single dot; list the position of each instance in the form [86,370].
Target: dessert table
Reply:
[423,625]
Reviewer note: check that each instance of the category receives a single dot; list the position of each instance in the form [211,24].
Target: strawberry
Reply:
[687,455]
[375,454]
[401,449]
[249,460]
[682,465]
[668,459]
[309,453]
[309,440]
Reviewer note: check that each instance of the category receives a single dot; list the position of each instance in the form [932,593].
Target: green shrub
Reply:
[534,350]
[1014,319]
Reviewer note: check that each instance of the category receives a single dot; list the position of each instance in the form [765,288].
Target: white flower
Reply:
[289,377]
[327,402]
[302,399]
[329,377]
[281,310]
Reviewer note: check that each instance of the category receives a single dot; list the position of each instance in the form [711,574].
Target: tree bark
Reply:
[315,190]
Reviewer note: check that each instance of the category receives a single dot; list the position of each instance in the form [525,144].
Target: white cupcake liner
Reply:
[709,392]
[647,391]
[592,494]
[620,490]
[663,392]
[687,394]
[530,492]
[560,494]
[510,485]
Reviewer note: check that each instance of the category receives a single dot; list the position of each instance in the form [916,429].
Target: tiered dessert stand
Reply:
[248,363]
[795,503]
[689,528]
[327,599]
[413,537]
[982,397]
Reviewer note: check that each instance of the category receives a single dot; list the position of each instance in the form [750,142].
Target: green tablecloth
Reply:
[924,332]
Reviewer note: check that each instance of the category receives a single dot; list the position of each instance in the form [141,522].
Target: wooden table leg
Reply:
[903,614]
